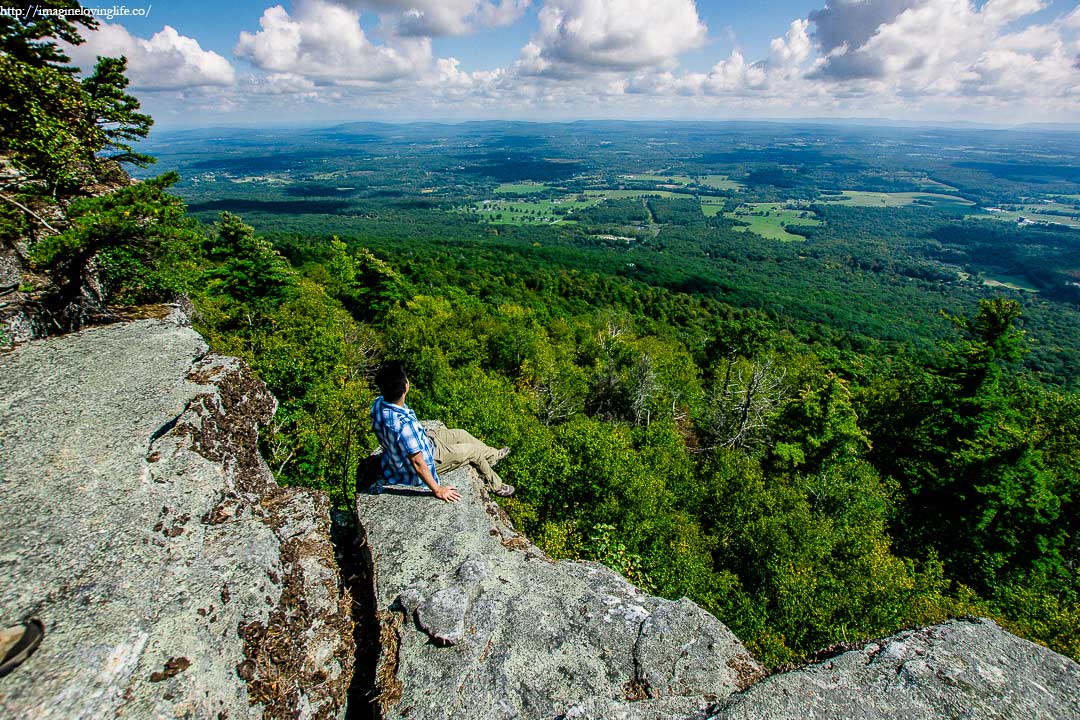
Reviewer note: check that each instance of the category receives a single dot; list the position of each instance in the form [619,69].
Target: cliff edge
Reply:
[141,525]
[476,622]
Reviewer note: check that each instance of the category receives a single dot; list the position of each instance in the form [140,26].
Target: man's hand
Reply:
[447,493]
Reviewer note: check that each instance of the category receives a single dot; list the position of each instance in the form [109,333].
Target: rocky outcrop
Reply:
[19,320]
[476,622]
[140,524]
[22,317]
[960,669]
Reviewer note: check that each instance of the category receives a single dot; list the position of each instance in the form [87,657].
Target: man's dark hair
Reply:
[391,380]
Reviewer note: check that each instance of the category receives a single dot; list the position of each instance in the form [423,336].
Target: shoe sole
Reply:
[23,649]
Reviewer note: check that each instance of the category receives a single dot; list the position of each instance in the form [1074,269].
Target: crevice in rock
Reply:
[638,686]
[276,672]
[387,683]
[161,431]
[355,564]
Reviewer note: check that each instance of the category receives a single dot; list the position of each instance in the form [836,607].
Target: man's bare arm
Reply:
[446,493]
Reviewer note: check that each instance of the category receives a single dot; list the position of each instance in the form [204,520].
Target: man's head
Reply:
[391,380]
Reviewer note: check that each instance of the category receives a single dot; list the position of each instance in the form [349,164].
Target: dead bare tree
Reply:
[608,335]
[552,405]
[361,349]
[644,387]
[742,401]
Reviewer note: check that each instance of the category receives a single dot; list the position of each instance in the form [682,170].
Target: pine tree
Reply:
[252,271]
[115,111]
[31,38]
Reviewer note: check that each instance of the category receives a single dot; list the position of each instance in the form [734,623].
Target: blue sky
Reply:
[311,61]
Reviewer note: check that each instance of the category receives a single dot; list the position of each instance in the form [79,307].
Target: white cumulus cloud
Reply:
[167,61]
[914,40]
[430,18]
[325,41]
[947,51]
[793,48]
[844,24]
[581,36]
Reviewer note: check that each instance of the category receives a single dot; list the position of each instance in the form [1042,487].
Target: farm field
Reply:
[711,206]
[720,182]
[1036,213]
[1010,282]
[520,188]
[770,220]
[525,212]
[669,179]
[860,198]
[935,185]
[715,182]
[622,194]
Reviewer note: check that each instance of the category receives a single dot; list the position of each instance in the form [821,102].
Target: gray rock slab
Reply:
[479,623]
[174,577]
[680,650]
[968,669]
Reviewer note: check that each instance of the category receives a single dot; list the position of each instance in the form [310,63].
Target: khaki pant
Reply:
[454,448]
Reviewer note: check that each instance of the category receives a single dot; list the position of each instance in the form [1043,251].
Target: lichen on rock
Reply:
[964,668]
[141,525]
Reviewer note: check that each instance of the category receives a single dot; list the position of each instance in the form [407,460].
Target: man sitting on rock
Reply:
[412,455]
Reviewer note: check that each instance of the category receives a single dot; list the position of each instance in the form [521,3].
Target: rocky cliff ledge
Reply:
[174,577]
[478,623]
[961,669]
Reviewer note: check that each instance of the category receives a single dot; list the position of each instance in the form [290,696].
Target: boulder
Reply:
[140,524]
[967,668]
[476,622]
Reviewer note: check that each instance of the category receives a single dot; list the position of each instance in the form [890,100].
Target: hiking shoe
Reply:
[503,452]
[504,490]
[24,647]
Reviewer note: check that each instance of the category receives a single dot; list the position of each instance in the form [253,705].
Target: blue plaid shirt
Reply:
[400,435]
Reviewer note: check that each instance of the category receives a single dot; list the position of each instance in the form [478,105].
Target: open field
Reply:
[719,182]
[669,179]
[1054,207]
[520,188]
[860,198]
[1036,213]
[1010,282]
[529,212]
[711,206]
[622,194]
[716,182]
[551,212]
[935,185]
[769,220]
